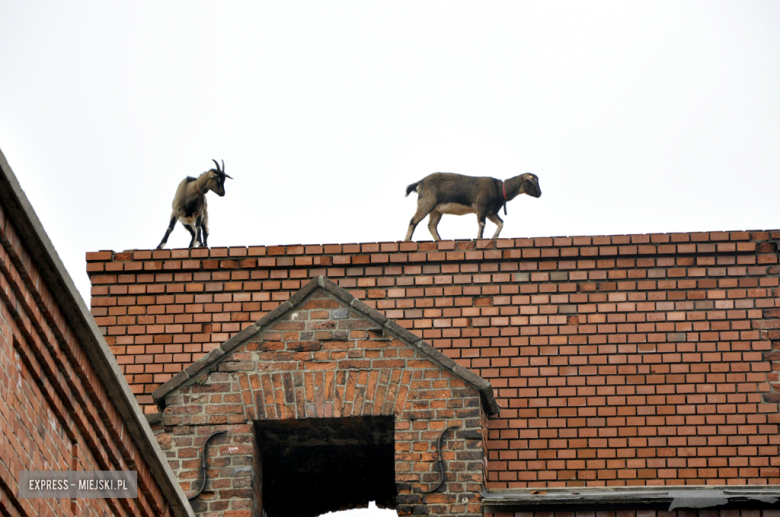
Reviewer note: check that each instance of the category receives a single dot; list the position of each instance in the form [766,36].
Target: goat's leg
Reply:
[481,221]
[167,232]
[499,224]
[193,233]
[424,207]
[205,225]
[198,228]
[433,223]
[410,231]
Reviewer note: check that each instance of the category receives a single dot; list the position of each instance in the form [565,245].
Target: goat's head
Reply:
[217,177]
[530,185]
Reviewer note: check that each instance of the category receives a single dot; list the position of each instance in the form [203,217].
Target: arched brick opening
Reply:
[314,466]
[312,397]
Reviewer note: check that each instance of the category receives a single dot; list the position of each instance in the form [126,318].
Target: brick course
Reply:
[617,360]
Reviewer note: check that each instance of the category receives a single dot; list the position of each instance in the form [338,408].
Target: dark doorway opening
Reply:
[315,466]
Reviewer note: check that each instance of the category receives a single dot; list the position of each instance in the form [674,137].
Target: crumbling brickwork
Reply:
[617,360]
[374,395]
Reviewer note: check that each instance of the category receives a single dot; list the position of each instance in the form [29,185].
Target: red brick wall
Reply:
[617,360]
[313,364]
[54,413]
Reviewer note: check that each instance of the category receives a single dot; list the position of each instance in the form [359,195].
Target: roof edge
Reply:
[669,238]
[80,320]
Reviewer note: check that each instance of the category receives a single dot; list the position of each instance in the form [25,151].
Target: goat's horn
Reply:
[223,170]
[215,163]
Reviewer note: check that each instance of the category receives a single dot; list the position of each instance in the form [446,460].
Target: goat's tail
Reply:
[411,188]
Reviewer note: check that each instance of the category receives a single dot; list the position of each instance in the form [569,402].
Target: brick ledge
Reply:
[685,497]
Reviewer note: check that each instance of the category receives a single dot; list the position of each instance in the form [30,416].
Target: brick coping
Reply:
[632,244]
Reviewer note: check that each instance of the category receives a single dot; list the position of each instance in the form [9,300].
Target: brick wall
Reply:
[63,403]
[54,414]
[344,411]
[617,360]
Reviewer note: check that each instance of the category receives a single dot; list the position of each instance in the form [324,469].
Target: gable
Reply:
[326,397]
[346,353]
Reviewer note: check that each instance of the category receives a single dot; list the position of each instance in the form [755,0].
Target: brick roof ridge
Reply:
[223,351]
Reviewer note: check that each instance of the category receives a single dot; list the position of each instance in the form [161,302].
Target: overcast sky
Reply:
[638,117]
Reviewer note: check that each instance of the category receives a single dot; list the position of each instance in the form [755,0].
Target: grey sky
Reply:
[637,116]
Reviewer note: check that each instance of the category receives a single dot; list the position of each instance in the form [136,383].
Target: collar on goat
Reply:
[503,189]
[202,194]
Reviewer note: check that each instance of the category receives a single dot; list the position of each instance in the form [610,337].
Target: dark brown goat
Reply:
[190,207]
[447,193]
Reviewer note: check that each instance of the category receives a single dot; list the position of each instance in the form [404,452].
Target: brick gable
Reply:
[325,360]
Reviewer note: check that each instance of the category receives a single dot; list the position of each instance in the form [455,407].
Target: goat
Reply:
[189,204]
[447,193]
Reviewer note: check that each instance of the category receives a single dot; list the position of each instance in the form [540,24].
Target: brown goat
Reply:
[447,193]
[190,207]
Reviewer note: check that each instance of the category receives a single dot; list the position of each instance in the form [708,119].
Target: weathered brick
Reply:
[57,411]
[563,328]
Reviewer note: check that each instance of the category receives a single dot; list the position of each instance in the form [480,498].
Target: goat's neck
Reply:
[201,184]
[512,186]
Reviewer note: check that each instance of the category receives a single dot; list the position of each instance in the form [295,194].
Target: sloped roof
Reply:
[429,352]
[64,292]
